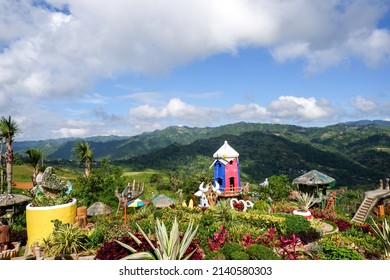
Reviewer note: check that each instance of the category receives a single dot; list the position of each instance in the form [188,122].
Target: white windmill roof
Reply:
[226,152]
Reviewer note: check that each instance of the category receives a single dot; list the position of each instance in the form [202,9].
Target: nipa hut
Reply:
[314,182]
[162,200]
[98,208]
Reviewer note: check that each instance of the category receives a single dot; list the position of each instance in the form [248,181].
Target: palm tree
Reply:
[1,164]
[9,128]
[34,157]
[83,153]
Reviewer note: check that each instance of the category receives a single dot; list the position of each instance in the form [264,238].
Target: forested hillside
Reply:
[356,154]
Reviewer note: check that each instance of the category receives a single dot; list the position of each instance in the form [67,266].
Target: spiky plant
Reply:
[65,239]
[383,235]
[304,201]
[223,212]
[170,246]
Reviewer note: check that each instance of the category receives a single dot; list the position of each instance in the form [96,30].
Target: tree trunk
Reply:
[35,173]
[87,170]
[9,156]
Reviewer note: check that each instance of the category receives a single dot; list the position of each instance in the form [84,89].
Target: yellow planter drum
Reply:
[39,219]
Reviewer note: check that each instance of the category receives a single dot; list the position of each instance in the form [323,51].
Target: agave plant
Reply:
[383,235]
[170,246]
[304,201]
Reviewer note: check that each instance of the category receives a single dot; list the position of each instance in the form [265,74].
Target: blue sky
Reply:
[73,68]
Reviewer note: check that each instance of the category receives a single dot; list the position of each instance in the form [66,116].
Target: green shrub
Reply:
[295,223]
[223,212]
[261,205]
[215,256]
[239,230]
[260,252]
[229,248]
[97,237]
[239,256]
[205,232]
[331,251]
[263,220]
[207,219]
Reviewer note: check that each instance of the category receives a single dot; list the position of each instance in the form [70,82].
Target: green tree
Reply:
[278,189]
[34,157]
[9,128]
[83,152]
[100,185]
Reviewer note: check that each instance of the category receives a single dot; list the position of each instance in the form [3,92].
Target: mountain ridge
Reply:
[356,152]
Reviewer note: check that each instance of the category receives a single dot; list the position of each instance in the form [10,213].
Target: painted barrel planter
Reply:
[306,214]
[38,220]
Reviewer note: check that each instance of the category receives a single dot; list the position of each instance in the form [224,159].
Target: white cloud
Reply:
[284,109]
[46,52]
[70,132]
[372,45]
[363,104]
[307,109]
[49,55]
[248,112]
[174,109]
[291,50]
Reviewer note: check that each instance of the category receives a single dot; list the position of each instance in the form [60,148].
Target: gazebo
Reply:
[11,204]
[162,201]
[98,208]
[313,181]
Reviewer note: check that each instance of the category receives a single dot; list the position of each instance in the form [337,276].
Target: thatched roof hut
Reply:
[313,180]
[162,200]
[13,199]
[98,208]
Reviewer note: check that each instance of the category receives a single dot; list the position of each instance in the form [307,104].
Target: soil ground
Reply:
[23,185]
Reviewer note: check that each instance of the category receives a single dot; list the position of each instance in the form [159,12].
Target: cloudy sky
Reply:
[83,68]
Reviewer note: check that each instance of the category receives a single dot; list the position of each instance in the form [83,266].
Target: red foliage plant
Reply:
[114,251]
[199,253]
[219,238]
[289,246]
[247,240]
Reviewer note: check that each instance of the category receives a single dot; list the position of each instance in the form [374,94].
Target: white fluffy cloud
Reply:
[175,109]
[301,108]
[284,109]
[57,49]
[48,52]
[363,104]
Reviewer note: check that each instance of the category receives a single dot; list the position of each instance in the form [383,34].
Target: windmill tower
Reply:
[227,170]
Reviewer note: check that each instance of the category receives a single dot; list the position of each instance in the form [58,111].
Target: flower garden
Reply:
[217,222]
[268,231]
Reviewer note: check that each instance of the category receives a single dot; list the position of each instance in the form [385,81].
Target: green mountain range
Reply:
[356,154]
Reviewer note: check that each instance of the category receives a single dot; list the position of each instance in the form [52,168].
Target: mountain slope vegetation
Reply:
[355,153]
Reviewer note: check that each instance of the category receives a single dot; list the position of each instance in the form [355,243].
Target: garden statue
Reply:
[129,193]
[49,184]
[203,201]
[265,183]
[210,193]
[245,203]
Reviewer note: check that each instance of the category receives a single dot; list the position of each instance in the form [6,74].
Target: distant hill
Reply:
[355,153]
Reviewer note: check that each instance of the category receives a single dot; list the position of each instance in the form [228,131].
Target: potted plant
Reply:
[51,201]
[304,202]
